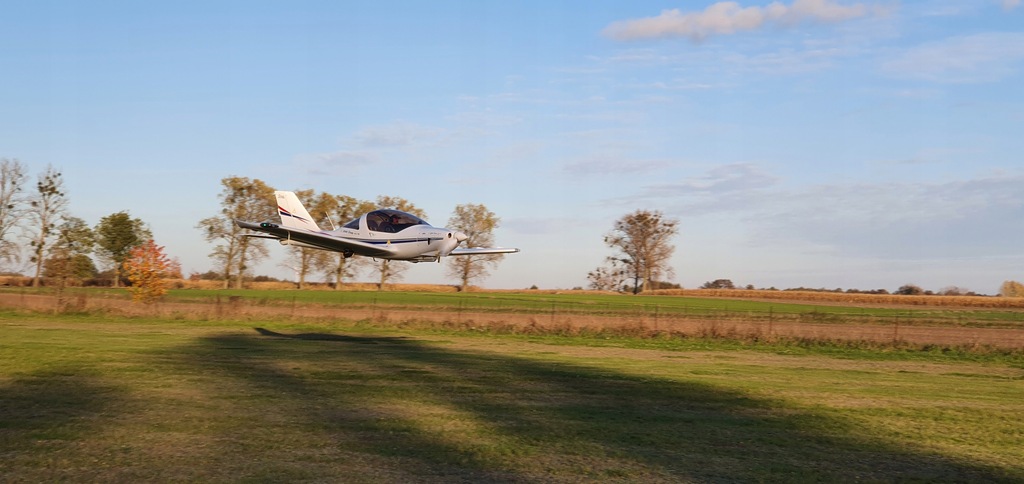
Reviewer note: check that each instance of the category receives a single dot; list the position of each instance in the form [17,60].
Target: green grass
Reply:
[90,398]
[600,304]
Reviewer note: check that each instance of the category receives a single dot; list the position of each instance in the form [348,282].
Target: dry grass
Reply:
[311,286]
[22,281]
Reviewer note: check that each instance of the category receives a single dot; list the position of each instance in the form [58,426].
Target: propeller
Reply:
[449,243]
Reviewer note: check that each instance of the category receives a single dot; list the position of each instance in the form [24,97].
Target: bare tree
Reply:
[609,277]
[12,180]
[478,223]
[46,208]
[241,199]
[220,229]
[642,240]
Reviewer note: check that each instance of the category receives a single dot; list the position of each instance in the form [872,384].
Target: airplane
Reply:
[380,234]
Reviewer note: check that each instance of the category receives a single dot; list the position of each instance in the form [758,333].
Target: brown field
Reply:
[735,327]
[814,297]
[887,300]
[22,281]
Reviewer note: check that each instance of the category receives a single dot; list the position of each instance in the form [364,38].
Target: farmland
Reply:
[102,397]
[962,323]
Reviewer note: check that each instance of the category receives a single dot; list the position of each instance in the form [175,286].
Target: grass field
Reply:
[94,397]
[573,302]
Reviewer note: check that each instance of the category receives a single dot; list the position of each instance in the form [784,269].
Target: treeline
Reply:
[40,237]
[851,298]
[1008,289]
[42,242]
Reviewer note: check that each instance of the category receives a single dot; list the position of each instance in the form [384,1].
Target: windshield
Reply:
[392,221]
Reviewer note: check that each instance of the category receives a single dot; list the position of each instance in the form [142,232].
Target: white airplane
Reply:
[381,234]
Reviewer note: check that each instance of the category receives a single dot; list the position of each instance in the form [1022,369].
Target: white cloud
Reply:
[725,18]
[987,57]
[718,182]
[399,134]
[338,162]
[613,166]
[1010,4]
[785,62]
[547,226]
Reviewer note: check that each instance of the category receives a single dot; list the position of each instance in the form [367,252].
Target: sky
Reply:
[799,143]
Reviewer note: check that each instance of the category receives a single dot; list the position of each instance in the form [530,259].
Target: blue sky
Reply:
[814,143]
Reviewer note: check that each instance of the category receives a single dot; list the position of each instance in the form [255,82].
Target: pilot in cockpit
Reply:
[390,225]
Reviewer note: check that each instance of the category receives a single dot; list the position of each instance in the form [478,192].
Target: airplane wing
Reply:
[319,240]
[483,251]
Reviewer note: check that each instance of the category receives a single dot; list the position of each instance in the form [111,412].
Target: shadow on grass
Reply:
[332,337]
[409,410]
[46,411]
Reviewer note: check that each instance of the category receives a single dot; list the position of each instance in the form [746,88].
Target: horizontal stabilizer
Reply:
[483,251]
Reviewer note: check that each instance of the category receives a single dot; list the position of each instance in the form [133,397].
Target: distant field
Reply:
[104,398]
[571,312]
[855,299]
[749,304]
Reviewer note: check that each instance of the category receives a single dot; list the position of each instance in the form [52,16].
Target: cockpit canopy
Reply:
[392,221]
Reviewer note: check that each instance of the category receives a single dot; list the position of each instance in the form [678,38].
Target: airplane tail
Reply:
[293,214]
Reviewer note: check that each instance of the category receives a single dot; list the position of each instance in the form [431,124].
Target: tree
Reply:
[302,259]
[146,267]
[69,256]
[610,277]
[909,290]
[46,208]
[642,240]
[174,269]
[719,284]
[478,223]
[340,209]
[65,269]
[388,269]
[116,235]
[954,291]
[221,229]
[1011,289]
[241,199]
[12,181]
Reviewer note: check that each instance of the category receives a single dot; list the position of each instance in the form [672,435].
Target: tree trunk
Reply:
[340,272]
[241,270]
[383,275]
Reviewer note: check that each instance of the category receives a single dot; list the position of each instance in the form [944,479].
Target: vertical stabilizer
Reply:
[293,214]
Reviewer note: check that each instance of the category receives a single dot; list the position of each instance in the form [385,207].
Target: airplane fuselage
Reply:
[416,244]
[413,240]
